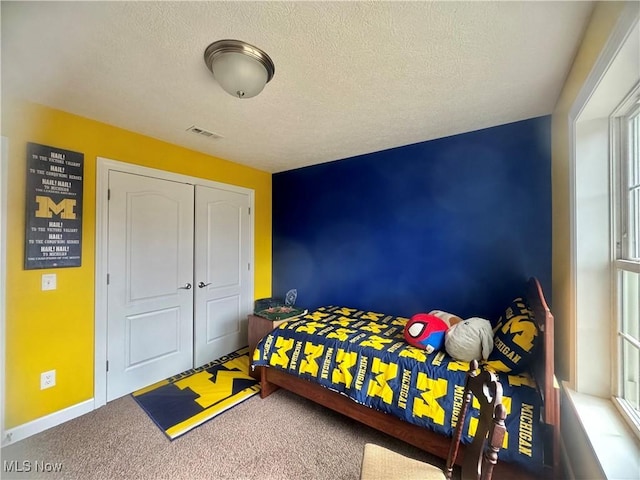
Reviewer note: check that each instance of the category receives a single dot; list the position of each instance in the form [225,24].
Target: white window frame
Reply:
[623,259]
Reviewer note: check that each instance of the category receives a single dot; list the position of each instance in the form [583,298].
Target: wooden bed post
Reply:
[544,372]
[266,387]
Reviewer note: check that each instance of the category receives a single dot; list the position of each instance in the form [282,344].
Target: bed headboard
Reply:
[544,367]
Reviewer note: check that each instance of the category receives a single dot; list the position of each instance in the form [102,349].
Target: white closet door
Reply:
[223,288]
[150,292]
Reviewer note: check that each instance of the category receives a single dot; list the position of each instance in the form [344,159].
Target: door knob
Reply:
[202,284]
[186,287]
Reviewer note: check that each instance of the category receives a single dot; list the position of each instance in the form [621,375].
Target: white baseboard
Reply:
[41,424]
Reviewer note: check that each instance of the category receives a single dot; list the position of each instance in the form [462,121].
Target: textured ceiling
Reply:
[351,77]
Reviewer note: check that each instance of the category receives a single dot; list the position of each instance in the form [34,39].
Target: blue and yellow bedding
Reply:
[364,356]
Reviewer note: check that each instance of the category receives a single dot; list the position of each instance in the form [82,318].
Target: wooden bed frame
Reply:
[433,443]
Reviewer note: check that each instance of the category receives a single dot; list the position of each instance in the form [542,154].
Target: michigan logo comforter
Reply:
[364,355]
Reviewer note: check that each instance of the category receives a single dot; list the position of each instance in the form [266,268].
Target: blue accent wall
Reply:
[457,224]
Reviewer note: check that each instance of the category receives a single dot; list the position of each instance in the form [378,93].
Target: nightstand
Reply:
[258,328]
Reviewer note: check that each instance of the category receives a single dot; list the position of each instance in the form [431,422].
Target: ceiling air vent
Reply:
[204,133]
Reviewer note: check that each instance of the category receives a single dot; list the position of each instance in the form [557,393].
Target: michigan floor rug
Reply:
[189,399]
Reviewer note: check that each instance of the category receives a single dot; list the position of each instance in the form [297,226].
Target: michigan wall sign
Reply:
[54,207]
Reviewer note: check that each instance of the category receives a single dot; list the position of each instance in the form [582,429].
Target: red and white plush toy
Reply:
[425,331]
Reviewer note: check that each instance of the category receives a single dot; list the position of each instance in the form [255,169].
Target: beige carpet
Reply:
[281,437]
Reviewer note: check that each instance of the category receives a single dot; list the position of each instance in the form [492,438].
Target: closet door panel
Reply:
[150,299]
[222,272]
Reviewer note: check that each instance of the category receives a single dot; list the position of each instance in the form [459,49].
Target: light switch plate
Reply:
[49,281]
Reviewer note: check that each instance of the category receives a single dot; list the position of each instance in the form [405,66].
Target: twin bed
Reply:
[357,363]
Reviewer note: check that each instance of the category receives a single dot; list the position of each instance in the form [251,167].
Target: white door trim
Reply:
[104,165]
[4,170]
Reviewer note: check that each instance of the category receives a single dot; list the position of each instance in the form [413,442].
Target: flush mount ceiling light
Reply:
[242,70]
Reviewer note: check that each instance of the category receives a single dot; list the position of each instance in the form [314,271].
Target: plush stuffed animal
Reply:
[425,331]
[470,339]
[449,318]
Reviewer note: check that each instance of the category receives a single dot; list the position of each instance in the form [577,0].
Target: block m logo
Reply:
[47,208]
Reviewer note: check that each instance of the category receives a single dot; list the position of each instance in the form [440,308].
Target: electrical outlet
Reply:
[49,281]
[47,379]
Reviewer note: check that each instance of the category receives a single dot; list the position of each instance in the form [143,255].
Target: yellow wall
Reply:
[55,329]
[600,27]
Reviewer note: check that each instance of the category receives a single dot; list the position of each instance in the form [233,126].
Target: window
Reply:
[626,154]
[594,289]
